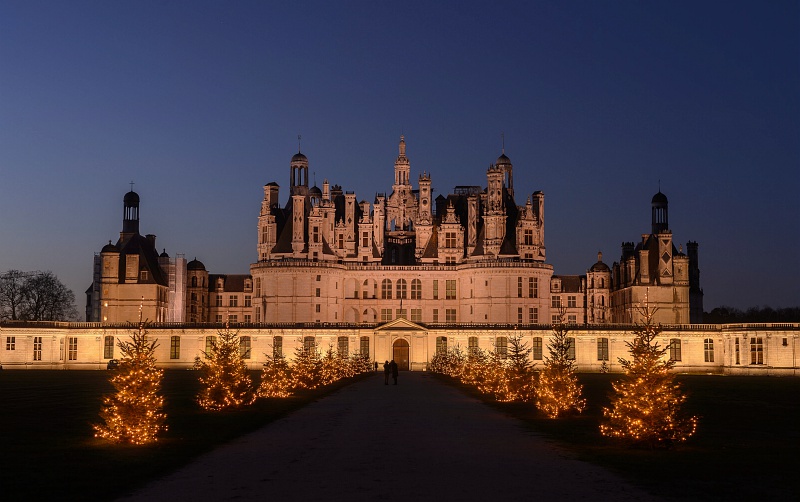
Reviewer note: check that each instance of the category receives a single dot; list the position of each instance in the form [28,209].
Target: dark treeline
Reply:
[722,315]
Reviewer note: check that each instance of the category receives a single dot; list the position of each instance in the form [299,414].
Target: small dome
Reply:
[109,248]
[659,198]
[599,267]
[195,265]
[299,157]
[164,254]
[315,191]
[131,198]
[502,159]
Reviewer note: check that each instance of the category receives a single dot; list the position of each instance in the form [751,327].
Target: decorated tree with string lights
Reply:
[519,370]
[306,367]
[134,413]
[557,390]
[276,379]
[646,402]
[224,379]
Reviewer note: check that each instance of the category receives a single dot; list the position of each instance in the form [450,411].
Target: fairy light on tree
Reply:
[306,367]
[646,402]
[276,380]
[558,391]
[519,369]
[225,381]
[133,414]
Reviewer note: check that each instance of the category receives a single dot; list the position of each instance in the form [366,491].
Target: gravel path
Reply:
[419,440]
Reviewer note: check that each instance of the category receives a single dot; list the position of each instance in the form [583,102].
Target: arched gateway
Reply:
[404,341]
[400,354]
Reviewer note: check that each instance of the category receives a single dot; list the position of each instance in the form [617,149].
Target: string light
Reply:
[646,403]
[134,413]
[225,381]
[558,391]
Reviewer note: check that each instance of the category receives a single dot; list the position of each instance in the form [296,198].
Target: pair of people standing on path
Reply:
[389,367]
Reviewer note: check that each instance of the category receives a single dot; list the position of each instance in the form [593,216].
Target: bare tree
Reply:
[35,296]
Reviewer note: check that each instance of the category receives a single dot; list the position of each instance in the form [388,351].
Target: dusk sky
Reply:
[200,105]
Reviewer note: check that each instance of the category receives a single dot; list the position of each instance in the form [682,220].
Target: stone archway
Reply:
[400,354]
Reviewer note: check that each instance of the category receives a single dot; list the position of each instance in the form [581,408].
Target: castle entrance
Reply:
[400,354]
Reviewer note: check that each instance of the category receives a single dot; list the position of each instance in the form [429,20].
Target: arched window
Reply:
[416,289]
[402,291]
[386,289]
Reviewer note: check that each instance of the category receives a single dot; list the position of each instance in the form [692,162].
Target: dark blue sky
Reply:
[200,104]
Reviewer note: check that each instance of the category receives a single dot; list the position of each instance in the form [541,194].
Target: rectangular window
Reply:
[533,315]
[244,347]
[386,315]
[318,308]
[450,315]
[210,343]
[218,318]
[365,346]
[277,347]
[247,318]
[555,319]
[473,344]
[174,347]
[400,313]
[37,348]
[736,350]
[11,343]
[708,350]
[441,344]
[528,237]
[572,319]
[501,347]
[233,318]
[309,344]
[531,287]
[416,315]
[364,240]
[536,348]
[248,301]
[602,349]
[555,302]
[435,315]
[675,349]
[571,301]
[519,315]
[519,287]
[108,347]
[219,300]
[416,289]
[450,284]
[757,350]
[343,346]
[233,301]
[435,289]
[73,349]
[449,239]
[571,348]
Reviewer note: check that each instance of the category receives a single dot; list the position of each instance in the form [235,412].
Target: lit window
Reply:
[441,344]
[536,348]
[674,349]
[708,350]
[343,347]
[309,344]
[108,347]
[174,347]
[211,341]
[73,349]
[244,347]
[277,347]
[472,344]
[757,350]
[501,347]
[37,348]
[365,346]
[602,349]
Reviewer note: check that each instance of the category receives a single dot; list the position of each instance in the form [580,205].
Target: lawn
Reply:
[747,446]
[48,448]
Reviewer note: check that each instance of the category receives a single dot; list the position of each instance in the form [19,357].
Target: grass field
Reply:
[49,453]
[747,445]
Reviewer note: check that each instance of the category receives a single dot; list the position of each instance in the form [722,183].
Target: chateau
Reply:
[401,278]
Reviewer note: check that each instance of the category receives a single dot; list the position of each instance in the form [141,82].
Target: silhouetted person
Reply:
[394,371]
[376,366]
[386,370]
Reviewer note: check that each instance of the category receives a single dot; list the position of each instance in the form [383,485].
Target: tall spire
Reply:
[402,145]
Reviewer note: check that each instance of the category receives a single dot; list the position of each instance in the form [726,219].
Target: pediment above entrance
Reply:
[400,324]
